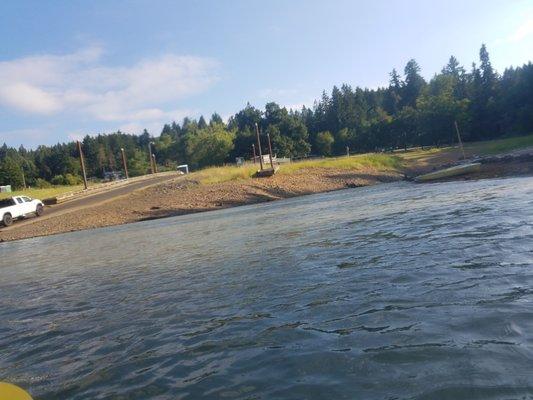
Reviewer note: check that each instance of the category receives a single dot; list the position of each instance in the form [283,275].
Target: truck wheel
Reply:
[7,219]
[39,210]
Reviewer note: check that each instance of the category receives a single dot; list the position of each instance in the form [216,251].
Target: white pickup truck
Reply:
[19,207]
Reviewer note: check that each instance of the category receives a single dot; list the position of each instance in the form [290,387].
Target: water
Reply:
[390,292]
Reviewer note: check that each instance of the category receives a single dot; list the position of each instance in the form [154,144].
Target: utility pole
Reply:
[460,141]
[150,154]
[124,163]
[23,179]
[253,150]
[82,164]
[155,164]
[270,151]
[259,146]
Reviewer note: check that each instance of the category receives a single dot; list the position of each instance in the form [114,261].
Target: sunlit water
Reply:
[389,292]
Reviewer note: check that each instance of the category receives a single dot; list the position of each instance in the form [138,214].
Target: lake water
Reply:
[388,292]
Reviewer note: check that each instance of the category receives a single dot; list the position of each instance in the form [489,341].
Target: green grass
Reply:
[500,145]
[223,174]
[233,173]
[377,161]
[372,160]
[42,193]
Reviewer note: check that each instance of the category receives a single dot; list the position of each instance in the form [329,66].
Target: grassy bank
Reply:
[397,161]
[380,162]
[499,146]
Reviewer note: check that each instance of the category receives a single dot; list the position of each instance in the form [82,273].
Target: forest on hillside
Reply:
[409,112]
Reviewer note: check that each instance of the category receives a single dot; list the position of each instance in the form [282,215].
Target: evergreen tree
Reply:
[201,123]
[414,83]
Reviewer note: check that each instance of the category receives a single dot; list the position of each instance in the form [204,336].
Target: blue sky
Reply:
[70,68]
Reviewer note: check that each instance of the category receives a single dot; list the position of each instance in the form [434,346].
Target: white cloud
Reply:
[30,137]
[154,119]
[76,136]
[80,83]
[522,31]
[24,96]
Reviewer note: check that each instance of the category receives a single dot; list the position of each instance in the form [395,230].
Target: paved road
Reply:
[93,199]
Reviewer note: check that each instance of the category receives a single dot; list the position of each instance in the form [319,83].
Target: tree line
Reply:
[409,112]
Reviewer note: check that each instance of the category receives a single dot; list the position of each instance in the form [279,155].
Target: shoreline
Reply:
[187,195]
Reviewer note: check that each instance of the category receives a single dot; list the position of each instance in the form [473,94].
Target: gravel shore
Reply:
[184,196]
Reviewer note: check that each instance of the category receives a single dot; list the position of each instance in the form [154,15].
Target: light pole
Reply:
[150,156]
[155,163]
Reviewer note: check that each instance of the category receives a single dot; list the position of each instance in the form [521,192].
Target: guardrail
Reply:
[101,188]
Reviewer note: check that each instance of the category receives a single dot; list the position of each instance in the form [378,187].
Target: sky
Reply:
[72,68]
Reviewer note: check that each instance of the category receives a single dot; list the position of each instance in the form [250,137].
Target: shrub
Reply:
[67,179]
[58,180]
[42,184]
[72,180]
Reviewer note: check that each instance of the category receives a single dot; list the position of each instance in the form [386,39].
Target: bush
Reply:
[72,180]
[67,179]
[58,180]
[42,184]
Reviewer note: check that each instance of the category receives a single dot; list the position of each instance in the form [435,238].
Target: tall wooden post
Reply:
[82,164]
[23,179]
[155,164]
[150,157]
[270,151]
[259,146]
[253,150]
[460,141]
[124,163]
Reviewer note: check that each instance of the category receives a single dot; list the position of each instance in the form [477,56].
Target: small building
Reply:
[184,168]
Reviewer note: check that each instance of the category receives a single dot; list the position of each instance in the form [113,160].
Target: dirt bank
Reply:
[185,196]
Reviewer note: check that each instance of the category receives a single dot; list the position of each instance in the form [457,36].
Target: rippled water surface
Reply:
[389,292]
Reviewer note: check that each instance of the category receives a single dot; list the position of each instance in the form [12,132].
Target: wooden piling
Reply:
[270,151]
[259,146]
